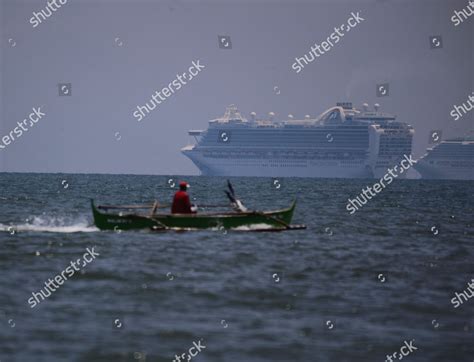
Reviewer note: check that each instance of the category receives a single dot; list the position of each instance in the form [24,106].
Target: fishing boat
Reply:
[277,220]
[241,218]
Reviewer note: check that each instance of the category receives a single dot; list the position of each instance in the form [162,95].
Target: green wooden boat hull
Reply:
[253,220]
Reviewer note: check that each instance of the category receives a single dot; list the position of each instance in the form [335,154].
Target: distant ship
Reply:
[449,160]
[343,142]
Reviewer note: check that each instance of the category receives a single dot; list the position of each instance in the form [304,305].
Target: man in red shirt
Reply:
[181,202]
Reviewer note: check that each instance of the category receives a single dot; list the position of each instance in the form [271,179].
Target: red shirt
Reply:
[181,203]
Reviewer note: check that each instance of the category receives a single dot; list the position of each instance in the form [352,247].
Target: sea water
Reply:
[348,288]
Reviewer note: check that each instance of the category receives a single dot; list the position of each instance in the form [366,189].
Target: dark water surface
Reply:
[349,288]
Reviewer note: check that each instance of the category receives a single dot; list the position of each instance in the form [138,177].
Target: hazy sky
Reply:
[157,39]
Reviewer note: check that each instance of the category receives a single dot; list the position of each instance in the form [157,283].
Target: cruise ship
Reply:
[451,159]
[343,142]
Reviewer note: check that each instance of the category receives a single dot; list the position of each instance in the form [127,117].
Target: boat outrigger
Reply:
[241,219]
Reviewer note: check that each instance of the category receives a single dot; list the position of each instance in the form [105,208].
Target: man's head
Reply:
[183,186]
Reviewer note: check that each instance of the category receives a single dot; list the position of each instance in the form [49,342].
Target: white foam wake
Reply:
[251,227]
[51,225]
[254,227]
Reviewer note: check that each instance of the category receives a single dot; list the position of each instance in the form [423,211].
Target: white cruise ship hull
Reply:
[446,170]
[279,168]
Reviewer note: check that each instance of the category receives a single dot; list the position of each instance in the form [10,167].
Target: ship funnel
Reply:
[366,107]
[271,115]
[376,107]
[290,116]
[307,116]
[253,115]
